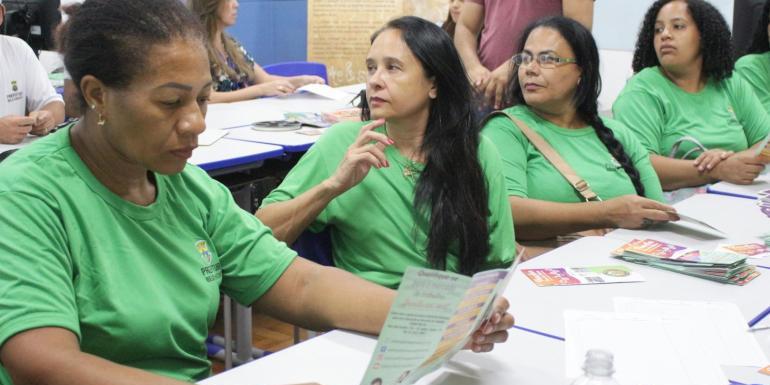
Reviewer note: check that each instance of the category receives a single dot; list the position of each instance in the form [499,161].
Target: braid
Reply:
[618,152]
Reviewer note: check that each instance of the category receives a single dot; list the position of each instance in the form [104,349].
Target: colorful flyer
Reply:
[751,250]
[657,249]
[567,276]
[432,318]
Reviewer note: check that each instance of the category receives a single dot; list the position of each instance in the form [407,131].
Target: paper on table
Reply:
[646,349]
[722,329]
[326,91]
[590,275]
[692,219]
[210,136]
[750,249]
[231,115]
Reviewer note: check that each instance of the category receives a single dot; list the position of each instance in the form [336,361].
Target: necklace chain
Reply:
[410,169]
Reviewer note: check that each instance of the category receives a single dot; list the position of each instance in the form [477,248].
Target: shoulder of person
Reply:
[14,46]
[751,60]
[618,128]
[650,76]
[521,112]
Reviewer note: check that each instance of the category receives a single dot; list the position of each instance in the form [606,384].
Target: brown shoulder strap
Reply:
[580,185]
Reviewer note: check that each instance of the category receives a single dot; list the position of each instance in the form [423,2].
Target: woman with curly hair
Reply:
[697,120]
[555,94]
[755,66]
[236,74]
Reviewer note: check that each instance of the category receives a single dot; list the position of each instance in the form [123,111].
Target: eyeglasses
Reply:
[544,60]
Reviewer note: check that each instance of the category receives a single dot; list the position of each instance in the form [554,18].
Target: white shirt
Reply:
[24,84]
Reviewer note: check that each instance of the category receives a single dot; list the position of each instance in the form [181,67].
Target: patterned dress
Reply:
[225,83]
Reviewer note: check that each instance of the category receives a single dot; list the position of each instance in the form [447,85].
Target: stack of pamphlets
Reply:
[717,266]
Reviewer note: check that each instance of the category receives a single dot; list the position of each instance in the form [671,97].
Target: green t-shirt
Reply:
[374,230]
[139,286]
[724,114]
[755,70]
[530,175]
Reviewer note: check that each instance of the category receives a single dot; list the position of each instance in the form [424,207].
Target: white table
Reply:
[228,154]
[742,191]
[739,218]
[27,140]
[236,117]
[340,358]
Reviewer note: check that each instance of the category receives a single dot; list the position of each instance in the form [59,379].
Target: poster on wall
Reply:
[338,31]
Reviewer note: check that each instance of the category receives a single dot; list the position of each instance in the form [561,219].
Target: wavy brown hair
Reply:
[206,10]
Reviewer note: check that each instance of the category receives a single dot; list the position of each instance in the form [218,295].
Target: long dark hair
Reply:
[587,58]
[716,45]
[111,39]
[452,187]
[449,25]
[759,43]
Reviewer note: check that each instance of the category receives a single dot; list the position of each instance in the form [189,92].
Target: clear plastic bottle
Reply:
[598,369]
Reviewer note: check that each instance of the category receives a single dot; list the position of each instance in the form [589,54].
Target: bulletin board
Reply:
[338,31]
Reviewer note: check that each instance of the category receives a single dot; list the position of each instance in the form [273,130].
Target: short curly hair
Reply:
[716,42]
[760,42]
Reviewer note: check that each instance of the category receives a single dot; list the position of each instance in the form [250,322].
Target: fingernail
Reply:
[391,141]
[480,339]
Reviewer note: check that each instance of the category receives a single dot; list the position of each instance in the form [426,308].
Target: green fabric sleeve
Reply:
[501,234]
[37,275]
[643,113]
[749,111]
[511,146]
[252,259]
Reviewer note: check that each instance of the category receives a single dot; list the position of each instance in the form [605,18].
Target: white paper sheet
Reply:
[720,325]
[210,136]
[326,91]
[647,349]
[230,115]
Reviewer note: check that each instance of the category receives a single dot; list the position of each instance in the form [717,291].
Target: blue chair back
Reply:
[316,247]
[296,68]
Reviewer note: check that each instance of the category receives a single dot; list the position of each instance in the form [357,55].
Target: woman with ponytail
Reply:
[555,93]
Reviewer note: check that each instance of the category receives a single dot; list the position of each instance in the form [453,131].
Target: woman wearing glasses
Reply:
[555,94]
[698,122]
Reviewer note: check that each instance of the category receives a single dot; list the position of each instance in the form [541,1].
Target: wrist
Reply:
[331,188]
[606,218]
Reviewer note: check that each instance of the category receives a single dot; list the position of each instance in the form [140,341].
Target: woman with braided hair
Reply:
[555,94]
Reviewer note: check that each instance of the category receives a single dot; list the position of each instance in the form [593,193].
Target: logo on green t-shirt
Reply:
[210,271]
[203,249]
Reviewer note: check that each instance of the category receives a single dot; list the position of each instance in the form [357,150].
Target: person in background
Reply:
[555,93]
[500,23]
[418,185]
[455,8]
[28,102]
[72,107]
[115,251]
[699,123]
[236,75]
[754,67]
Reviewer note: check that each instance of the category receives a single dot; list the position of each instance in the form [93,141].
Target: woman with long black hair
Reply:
[416,186]
[555,94]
